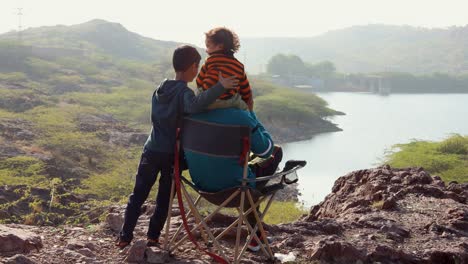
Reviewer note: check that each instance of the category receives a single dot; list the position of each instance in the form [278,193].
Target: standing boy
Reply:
[170,101]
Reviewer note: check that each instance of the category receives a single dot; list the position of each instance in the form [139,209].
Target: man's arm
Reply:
[262,144]
[197,103]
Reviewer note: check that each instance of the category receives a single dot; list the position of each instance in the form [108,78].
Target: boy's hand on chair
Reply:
[230,82]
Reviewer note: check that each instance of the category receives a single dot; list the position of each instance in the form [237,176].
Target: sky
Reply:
[187,20]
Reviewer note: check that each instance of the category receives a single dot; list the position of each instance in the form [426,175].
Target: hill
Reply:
[97,36]
[74,115]
[371,48]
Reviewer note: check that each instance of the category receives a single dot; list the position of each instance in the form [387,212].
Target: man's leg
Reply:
[267,166]
[158,219]
[264,167]
[145,178]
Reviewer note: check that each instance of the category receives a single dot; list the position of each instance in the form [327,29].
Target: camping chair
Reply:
[199,136]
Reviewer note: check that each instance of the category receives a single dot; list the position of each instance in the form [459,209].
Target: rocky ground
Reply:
[380,215]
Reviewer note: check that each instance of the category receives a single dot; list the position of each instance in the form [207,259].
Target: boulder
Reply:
[14,240]
[114,221]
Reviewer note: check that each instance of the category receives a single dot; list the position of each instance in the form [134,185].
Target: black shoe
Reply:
[121,244]
[150,242]
[291,164]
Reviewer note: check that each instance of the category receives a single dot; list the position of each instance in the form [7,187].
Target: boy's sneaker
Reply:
[121,244]
[152,242]
[254,246]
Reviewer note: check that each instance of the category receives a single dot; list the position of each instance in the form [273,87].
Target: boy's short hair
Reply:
[184,56]
[225,36]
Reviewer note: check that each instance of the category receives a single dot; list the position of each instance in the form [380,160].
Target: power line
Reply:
[20,24]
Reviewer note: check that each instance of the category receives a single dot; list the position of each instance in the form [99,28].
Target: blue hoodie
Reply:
[171,100]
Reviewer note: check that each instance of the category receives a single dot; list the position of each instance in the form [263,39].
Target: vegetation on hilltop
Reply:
[447,158]
[323,76]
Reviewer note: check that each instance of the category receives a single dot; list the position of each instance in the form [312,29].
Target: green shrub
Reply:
[20,100]
[116,182]
[22,170]
[13,77]
[283,212]
[41,68]
[447,158]
[456,144]
[65,83]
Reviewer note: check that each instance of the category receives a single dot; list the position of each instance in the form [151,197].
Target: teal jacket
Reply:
[213,174]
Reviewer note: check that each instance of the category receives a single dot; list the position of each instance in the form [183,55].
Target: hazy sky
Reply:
[186,20]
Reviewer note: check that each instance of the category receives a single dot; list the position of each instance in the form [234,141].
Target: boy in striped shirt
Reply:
[221,44]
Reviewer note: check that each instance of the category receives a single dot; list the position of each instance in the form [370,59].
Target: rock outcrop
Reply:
[380,215]
[385,215]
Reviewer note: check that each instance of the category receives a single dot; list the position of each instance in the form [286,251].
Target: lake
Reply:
[371,126]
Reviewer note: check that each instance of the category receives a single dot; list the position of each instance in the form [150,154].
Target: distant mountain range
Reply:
[97,36]
[370,48]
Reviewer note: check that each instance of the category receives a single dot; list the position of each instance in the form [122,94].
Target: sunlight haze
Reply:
[185,21]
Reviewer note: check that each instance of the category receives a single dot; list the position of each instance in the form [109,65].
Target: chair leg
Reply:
[239,226]
[208,218]
[179,229]
[260,225]
[254,230]
[198,216]
[253,235]
[168,221]
[235,222]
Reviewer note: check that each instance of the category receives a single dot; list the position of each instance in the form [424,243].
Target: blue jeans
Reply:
[151,163]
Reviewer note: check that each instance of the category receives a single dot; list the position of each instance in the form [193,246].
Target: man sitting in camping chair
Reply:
[217,145]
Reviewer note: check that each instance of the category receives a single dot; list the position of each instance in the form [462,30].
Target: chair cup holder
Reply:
[291,177]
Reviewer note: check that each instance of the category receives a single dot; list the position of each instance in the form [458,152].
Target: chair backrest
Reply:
[214,139]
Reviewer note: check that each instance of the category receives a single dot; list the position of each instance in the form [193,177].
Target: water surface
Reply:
[372,125]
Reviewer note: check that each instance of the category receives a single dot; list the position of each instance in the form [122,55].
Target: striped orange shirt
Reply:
[228,66]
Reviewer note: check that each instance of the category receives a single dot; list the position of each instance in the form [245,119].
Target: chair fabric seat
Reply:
[218,198]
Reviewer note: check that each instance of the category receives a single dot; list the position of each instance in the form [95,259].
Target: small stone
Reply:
[389,204]
[136,253]
[86,252]
[395,179]
[72,254]
[156,255]
[18,259]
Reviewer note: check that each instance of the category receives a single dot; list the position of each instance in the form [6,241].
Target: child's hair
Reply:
[184,56]
[225,36]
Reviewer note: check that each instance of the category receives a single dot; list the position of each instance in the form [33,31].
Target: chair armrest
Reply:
[276,175]
[259,179]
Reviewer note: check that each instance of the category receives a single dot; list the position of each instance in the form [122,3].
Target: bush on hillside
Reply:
[447,158]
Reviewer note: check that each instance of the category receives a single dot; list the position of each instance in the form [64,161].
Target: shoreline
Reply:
[287,133]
